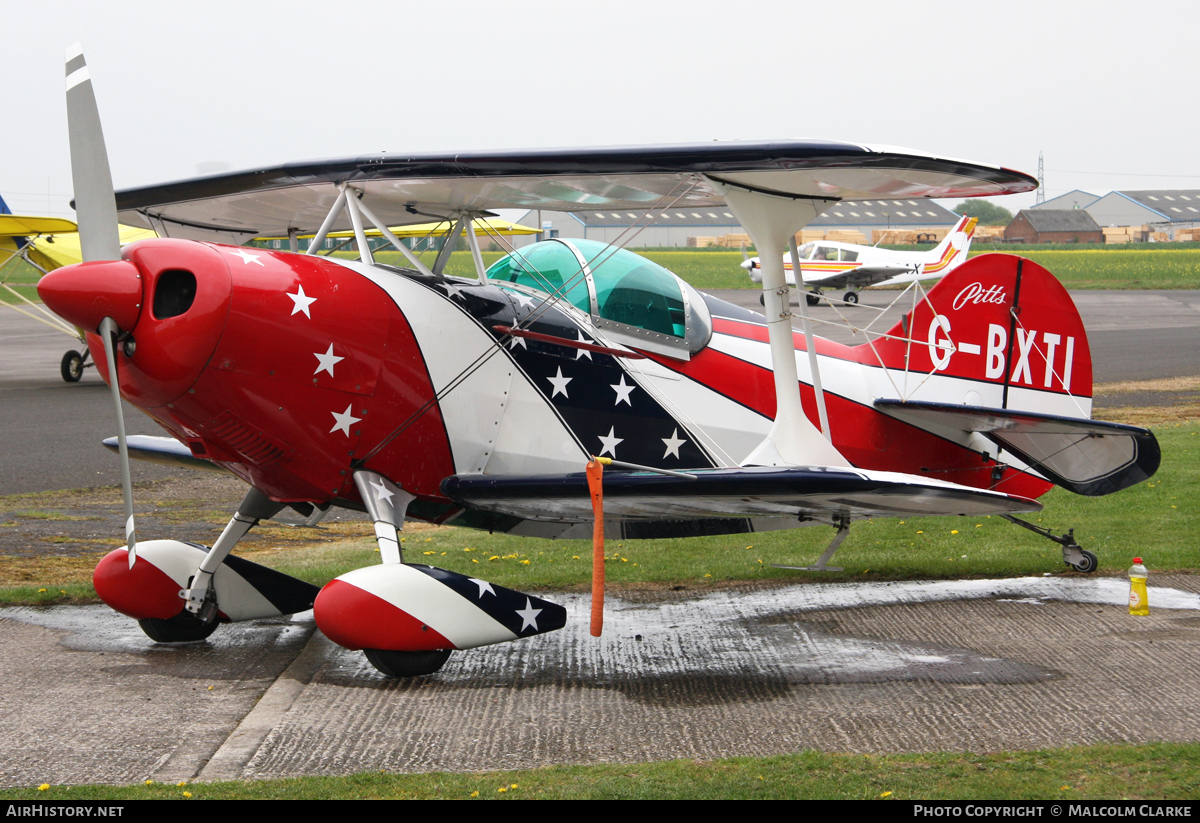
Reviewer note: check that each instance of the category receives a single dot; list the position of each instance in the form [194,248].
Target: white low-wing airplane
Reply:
[827,264]
[408,394]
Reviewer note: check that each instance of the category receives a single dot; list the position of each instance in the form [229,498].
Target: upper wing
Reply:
[808,493]
[861,277]
[1088,457]
[298,196]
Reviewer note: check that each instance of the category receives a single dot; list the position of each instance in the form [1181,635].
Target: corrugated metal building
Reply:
[675,226]
[1161,209]
[1076,199]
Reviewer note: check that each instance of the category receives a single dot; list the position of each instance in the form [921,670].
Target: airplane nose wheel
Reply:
[72,366]
[407,664]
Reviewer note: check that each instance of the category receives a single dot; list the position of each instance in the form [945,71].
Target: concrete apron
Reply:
[875,667]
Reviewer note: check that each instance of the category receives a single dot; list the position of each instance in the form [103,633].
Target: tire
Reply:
[812,299]
[407,664]
[852,298]
[762,300]
[72,366]
[182,628]
[1089,563]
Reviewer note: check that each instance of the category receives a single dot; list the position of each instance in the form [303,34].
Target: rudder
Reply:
[1006,323]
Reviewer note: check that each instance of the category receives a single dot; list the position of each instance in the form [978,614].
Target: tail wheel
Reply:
[852,297]
[72,366]
[407,664]
[182,628]
[1088,564]
[812,299]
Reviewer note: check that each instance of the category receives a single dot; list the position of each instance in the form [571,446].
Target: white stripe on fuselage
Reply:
[497,422]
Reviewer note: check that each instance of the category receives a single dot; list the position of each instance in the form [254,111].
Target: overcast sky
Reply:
[1104,90]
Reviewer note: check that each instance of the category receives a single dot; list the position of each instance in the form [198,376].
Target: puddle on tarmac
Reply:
[718,647]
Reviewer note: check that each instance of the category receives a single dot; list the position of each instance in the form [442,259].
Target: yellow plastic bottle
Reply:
[1139,602]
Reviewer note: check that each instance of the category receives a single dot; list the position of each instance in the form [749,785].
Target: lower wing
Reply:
[808,493]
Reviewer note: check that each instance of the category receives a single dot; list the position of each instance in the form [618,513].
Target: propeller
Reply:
[96,214]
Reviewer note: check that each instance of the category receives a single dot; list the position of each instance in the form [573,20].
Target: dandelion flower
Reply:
[954,531]
[187,794]
[44,787]
[886,794]
[181,783]
[149,782]
[475,793]
[502,789]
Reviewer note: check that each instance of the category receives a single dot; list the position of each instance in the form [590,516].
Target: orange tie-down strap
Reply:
[595,478]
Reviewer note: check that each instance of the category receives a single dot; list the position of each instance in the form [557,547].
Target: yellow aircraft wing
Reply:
[17,225]
[488,227]
[63,249]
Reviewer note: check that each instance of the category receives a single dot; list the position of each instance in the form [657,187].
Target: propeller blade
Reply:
[108,332]
[95,203]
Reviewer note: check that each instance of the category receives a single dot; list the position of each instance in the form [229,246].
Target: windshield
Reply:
[545,267]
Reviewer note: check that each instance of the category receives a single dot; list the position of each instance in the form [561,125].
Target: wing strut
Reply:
[771,220]
[813,365]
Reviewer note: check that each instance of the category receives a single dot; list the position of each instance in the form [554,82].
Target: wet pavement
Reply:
[880,667]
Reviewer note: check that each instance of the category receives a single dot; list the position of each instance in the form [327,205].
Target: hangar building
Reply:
[675,226]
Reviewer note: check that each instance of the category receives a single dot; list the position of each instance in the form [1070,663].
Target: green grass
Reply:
[1138,267]
[1156,771]
[1157,520]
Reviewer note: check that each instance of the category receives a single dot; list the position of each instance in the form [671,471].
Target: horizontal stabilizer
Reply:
[1088,457]
[166,451]
[821,493]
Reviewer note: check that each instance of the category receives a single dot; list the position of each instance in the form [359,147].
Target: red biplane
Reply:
[407,393]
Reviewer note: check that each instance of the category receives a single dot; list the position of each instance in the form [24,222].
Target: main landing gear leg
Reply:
[198,597]
[387,504]
[1074,556]
[843,529]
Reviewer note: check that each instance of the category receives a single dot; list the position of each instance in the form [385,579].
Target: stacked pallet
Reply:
[701,242]
[989,234]
[1117,234]
[846,236]
[733,241]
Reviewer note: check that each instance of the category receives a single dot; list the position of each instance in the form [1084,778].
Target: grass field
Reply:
[1157,519]
[1156,771]
[1140,267]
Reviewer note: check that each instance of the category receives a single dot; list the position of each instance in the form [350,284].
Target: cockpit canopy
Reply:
[635,301]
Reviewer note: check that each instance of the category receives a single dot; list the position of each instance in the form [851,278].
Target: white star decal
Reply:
[484,588]
[610,442]
[382,494]
[515,341]
[623,392]
[453,290]
[529,615]
[560,384]
[301,301]
[522,300]
[247,257]
[344,420]
[673,443]
[582,352]
[327,360]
